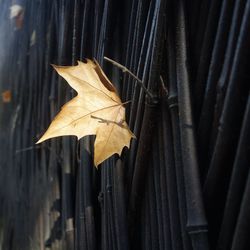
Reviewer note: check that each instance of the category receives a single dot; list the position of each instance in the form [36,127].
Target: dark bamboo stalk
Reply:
[88,169]
[217,179]
[170,176]
[217,59]
[143,152]
[137,108]
[225,73]
[174,112]
[119,207]
[167,215]
[205,55]
[153,209]
[241,239]
[196,220]
[197,41]
[237,184]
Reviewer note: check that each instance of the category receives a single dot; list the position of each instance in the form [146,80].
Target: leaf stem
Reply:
[126,70]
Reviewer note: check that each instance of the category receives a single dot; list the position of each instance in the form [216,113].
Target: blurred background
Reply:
[184,183]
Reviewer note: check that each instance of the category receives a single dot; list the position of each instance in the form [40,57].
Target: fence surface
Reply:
[184,184]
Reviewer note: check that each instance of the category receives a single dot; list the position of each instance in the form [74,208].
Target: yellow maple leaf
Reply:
[96,110]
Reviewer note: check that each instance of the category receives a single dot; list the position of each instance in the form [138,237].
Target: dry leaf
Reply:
[33,38]
[96,110]
[6,96]
[17,13]
[15,10]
